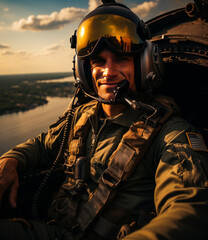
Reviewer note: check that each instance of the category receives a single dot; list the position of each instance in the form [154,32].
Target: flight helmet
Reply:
[116,27]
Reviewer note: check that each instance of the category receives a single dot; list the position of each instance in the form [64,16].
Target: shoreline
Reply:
[23,93]
[32,107]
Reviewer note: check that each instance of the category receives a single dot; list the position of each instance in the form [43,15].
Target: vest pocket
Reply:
[64,209]
[72,152]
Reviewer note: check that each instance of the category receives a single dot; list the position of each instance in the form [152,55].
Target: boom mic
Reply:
[121,89]
[121,93]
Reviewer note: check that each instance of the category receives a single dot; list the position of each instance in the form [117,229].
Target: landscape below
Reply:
[27,91]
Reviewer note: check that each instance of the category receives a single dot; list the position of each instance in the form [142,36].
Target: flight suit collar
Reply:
[125,118]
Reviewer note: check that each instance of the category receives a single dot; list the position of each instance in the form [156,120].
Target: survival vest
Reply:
[122,162]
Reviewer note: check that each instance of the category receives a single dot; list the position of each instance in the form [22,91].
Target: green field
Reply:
[26,91]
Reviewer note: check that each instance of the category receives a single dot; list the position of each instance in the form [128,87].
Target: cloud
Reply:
[93,4]
[53,47]
[4,50]
[6,9]
[143,9]
[2,28]
[50,50]
[7,52]
[18,53]
[3,46]
[55,20]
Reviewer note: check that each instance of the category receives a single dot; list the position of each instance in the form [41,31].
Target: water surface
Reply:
[16,128]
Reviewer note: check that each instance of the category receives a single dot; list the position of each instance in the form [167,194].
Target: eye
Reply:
[97,62]
[123,59]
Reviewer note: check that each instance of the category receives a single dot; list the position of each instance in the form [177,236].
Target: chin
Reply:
[107,96]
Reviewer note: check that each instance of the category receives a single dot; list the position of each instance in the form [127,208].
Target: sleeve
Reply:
[181,192]
[41,150]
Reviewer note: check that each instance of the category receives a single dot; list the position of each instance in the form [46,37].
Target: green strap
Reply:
[123,161]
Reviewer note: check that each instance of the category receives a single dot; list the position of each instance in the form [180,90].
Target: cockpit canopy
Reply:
[182,36]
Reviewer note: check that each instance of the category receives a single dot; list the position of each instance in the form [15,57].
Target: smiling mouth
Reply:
[108,83]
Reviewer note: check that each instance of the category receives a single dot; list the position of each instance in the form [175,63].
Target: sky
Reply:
[35,34]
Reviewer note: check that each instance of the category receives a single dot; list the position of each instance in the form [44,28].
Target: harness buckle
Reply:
[109,179]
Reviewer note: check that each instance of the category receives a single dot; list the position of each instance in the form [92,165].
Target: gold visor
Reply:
[118,31]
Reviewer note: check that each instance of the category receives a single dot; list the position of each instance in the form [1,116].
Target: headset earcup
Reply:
[151,67]
[82,73]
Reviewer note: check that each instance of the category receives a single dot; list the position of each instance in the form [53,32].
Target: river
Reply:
[18,127]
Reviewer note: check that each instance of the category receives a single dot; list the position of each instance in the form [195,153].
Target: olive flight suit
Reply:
[166,196]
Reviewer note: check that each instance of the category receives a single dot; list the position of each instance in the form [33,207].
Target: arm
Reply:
[181,193]
[9,179]
[40,151]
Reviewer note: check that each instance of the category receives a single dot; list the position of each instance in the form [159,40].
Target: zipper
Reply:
[95,138]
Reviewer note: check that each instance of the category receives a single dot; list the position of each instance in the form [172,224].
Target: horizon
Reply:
[36,73]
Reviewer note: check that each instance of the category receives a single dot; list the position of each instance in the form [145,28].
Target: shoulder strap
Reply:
[123,161]
[76,142]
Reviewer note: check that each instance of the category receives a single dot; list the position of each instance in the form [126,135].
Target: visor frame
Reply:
[112,34]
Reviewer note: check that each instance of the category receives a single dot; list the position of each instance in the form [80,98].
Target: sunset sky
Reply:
[34,34]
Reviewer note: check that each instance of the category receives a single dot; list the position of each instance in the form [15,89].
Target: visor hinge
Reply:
[73,40]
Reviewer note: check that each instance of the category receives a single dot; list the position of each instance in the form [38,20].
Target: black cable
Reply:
[57,162]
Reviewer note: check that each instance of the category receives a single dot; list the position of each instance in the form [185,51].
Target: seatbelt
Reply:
[123,161]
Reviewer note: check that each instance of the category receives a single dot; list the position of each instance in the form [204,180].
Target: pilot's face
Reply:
[108,69]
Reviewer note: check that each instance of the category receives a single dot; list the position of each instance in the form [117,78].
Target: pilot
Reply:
[134,169]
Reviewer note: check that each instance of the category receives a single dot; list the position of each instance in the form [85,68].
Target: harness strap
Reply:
[76,142]
[123,161]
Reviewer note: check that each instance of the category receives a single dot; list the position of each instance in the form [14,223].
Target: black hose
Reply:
[57,162]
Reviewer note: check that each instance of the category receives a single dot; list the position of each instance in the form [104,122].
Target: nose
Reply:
[110,69]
